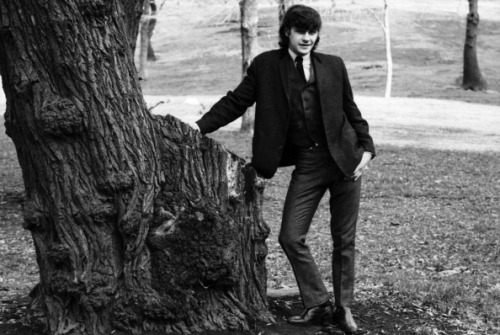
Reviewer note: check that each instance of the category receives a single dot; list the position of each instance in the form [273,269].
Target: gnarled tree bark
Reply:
[139,223]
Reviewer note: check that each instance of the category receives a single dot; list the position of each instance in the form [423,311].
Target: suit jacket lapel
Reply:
[323,80]
[283,67]
[328,84]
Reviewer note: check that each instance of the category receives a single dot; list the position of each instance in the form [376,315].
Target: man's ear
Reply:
[287,32]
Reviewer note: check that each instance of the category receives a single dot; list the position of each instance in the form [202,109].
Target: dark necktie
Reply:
[300,68]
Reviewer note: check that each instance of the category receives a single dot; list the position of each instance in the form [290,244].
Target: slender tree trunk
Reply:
[387,35]
[151,27]
[249,45]
[133,12]
[333,6]
[472,78]
[138,222]
[144,40]
[283,5]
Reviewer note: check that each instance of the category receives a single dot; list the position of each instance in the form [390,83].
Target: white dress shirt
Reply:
[306,63]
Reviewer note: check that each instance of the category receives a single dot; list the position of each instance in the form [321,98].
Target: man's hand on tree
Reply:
[195,126]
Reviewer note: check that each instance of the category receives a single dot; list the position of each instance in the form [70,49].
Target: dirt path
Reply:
[424,123]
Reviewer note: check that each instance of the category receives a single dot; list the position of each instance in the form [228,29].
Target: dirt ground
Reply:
[372,318]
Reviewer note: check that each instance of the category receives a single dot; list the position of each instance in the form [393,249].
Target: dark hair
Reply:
[301,17]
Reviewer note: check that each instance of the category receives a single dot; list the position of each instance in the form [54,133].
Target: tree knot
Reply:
[60,117]
[96,8]
[117,182]
[34,218]
[59,253]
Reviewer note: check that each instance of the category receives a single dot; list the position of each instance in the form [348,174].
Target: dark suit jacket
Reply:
[267,84]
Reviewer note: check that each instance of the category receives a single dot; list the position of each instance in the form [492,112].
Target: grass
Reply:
[427,235]
[430,229]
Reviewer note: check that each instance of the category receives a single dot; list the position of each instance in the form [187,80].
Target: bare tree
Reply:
[151,27]
[144,39]
[333,6]
[387,37]
[139,223]
[283,5]
[134,11]
[249,35]
[472,78]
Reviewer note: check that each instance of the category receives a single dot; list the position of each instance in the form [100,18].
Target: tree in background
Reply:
[283,5]
[472,78]
[249,35]
[144,38]
[151,27]
[387,37]
[146,28]
[333,7]
[139,223]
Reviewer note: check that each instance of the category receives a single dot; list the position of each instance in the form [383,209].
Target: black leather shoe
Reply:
[313,315]
[342,318]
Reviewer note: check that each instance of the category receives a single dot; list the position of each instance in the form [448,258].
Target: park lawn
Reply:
[427,234]
[427,238]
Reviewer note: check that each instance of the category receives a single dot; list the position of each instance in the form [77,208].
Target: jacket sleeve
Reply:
[232,105]
[354,115]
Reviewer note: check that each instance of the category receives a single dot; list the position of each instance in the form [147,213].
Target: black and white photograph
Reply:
[250,167]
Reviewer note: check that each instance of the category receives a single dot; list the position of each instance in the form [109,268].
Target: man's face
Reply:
[301,41]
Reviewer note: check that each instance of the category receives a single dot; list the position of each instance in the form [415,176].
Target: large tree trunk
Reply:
[472,78]
[139,223]
[249,35]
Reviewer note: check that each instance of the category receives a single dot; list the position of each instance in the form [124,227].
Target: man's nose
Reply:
[306,36]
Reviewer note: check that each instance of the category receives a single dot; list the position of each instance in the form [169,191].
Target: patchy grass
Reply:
[18,269]
[427,238]
[429,231]
[427,241]
[427,235]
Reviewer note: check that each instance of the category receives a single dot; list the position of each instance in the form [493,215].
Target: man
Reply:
[306,116]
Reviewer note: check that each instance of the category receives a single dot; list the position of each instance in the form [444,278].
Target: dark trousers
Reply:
[315,172]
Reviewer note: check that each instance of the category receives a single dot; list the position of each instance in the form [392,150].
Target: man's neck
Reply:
[294,55]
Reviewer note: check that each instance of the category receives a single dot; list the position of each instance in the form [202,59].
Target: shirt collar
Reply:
[305,59]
